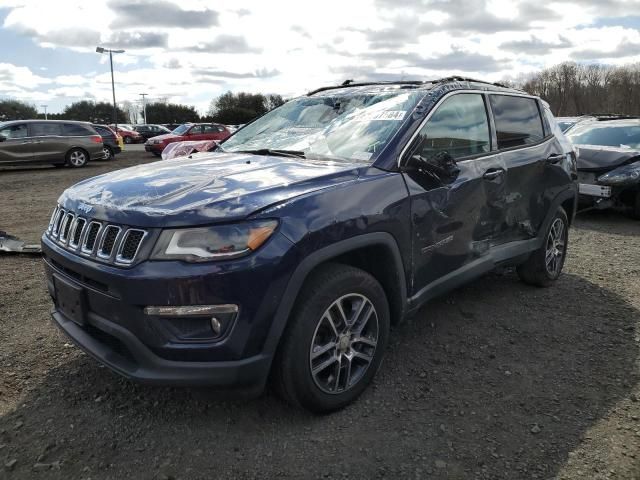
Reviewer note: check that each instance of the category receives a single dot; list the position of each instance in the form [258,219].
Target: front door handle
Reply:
[555,158]
[493,173]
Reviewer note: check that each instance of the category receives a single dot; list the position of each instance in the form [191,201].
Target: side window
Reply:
[45,129]
[15,131]
[209,129]
[195,130]
[75,130]
[458,127]
[102,131]
[517,120]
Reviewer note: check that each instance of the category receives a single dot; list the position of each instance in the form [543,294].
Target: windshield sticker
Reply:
[389,115]
[361,155]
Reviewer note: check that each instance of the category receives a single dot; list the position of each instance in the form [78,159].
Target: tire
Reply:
[544,265]
[77,157]
[157,154]
[345,354]
[108,153]
[127,140]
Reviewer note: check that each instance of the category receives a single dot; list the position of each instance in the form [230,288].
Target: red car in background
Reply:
[186,132]
[130,136]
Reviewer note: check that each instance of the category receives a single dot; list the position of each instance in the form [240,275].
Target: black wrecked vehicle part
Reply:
[12,244]
[596,158]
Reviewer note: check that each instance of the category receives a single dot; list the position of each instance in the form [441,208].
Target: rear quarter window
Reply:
[517,121]
[75,130]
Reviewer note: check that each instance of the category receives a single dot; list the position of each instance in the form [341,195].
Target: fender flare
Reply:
[318,257]
[568,194]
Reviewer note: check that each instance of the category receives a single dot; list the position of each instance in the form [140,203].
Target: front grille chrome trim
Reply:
[75,233]
[74,229]
[123,242]
[103,238]
[88,251]
[65,228]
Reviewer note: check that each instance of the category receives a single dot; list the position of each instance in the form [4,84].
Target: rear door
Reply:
[17,146]
[48,141]
[213,132]
[526,151]
[451,221]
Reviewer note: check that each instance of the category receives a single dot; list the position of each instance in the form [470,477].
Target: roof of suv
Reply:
[48,121]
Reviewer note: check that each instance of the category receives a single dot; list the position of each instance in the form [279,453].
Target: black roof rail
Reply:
[458,78]
[611,116]
[351,83]
[455,78]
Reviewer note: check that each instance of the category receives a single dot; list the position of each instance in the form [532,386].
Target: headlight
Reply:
[157,142]
[219,242]
[625,175]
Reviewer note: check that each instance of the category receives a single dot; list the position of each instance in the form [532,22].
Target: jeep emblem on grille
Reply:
[83,207]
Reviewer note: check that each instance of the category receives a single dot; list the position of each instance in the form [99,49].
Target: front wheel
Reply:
[545,264]
[77,158]
[335,339]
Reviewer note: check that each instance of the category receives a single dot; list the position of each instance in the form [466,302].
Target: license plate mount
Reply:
[594,190]
[70,299]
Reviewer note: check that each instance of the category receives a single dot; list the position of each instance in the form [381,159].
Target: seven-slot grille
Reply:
[108,242]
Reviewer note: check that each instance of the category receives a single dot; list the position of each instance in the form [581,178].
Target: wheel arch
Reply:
[389,271]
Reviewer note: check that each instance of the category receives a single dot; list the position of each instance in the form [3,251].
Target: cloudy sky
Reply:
[190,51]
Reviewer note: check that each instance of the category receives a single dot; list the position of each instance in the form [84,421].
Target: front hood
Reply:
[595,157]
[205,188]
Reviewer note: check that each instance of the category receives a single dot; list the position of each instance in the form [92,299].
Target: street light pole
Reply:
[113,85]
[144,106]
[45,111]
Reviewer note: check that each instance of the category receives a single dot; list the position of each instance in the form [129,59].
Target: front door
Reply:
[451,218]
[17,146]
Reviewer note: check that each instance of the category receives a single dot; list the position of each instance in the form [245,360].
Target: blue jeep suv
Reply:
[288,252]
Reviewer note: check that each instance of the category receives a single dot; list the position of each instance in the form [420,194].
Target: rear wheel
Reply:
[77,158]
[108,153]
[335,339]
[545,264]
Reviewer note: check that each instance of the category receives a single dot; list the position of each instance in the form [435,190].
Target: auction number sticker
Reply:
[388,115]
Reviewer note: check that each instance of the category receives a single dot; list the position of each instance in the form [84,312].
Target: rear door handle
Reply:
[493,173]
[555,158]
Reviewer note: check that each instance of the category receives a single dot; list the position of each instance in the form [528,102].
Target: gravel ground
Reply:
[494,380]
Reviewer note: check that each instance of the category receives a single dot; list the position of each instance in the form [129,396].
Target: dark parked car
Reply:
[609,163]
[149,131]
[186,132]
[288,253]
[49,141]
[171,126]
[110,141]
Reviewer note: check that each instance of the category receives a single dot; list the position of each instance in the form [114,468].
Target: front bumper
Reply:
[115,330]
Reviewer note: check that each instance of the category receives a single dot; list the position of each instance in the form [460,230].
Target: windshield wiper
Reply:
[274,152]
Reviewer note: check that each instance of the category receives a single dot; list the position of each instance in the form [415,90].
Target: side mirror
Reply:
[2,138]
[441,165]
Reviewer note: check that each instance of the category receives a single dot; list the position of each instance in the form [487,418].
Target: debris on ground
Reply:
[11,244]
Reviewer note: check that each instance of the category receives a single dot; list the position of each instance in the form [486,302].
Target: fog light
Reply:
[216,326]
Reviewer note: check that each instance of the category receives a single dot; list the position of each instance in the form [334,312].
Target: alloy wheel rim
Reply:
[77,158]
[556,246]
[344,343]
[107,152]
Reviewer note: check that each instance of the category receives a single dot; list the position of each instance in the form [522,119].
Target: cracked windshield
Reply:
[343,127]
